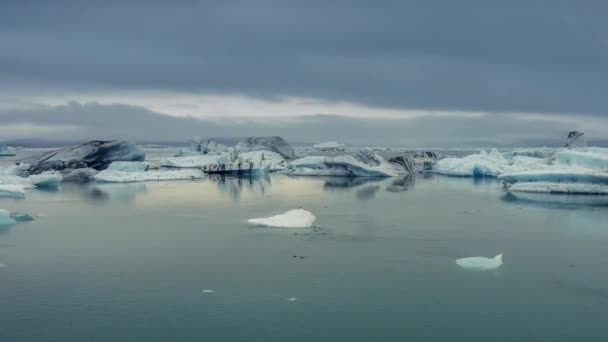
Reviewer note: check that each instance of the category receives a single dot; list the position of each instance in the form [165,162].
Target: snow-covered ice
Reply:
[480,263]
[296,218]
[483,164]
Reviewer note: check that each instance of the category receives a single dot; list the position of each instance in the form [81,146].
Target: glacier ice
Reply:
[5,218]
[329,146]
[113,176]
[480,263]
[129,166]
[273,144]
[12,191]
[48,179]
[6,151]
[296,218]
[196,161]
[365,163]
[483,164]
[95,154]
[259,161]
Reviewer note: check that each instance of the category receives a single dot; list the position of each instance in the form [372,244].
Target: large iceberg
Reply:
[483,164]
[297,218]
[6,151]
[230,162]
[273,144]
[570,171]
[95,154]
[365,163]
[126,172]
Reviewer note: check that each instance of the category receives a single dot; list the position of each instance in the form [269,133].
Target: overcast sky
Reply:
[423,73]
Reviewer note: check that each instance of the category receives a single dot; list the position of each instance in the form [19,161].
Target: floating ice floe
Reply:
[11,176]
[111,176]
[296,218]
[477,165]
[365,163]
[480,263]
[329,146]
[7,217]
[575,171]
[12,191]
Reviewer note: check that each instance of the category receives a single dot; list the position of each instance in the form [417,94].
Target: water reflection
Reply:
[122,192]
[338,183]
[234,186]
[556,201]
[401,183]
[368,192]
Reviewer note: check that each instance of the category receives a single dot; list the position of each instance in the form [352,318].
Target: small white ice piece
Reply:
[480,263]
[296,218]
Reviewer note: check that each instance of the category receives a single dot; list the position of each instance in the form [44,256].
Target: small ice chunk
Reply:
[48,179]
[2,265]
[480,263]
[296,218]
[292,299]
[5,218]
[208,291]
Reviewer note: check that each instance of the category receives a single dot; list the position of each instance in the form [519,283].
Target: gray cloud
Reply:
[76,121]
[541,56]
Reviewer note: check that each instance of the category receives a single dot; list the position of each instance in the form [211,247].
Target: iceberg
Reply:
[128,166]
[5,151]
[113,176]
[297,218]
[231,162]
[95,154]
[329,146]
[477,165]
[480,263]
[200,145]
[12,191]
[49,179]
[79,175]
[273,144]
[365,163]
[198,161]
[576,140]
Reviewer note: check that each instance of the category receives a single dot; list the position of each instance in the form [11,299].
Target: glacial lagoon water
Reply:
[135,262]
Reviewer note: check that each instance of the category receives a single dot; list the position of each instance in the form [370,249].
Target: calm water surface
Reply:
[129,262]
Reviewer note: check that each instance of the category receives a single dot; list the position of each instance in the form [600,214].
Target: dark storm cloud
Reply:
[76,121]
[533,56]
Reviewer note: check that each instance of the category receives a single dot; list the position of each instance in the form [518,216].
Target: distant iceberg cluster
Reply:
[574,169]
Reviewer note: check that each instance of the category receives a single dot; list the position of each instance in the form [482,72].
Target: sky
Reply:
[419,73]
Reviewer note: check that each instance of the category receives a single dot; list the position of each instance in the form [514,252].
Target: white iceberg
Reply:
[297,218]
[477,165]
[110,176]
[480,263]
[48,179]
[329,146]
[12,191]
[365,163]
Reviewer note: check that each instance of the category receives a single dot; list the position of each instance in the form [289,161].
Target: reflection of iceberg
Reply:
[297,218]
[480,263]
[234,186]
[117,191]
[367,192]
[348,182]
[401,184]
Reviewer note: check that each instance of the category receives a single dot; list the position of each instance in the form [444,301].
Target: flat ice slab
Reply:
[12,191]
[480,263]
[296,218]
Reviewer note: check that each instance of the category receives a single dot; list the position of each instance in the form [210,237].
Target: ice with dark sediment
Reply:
[365,163]
[95,154]
[272,144]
